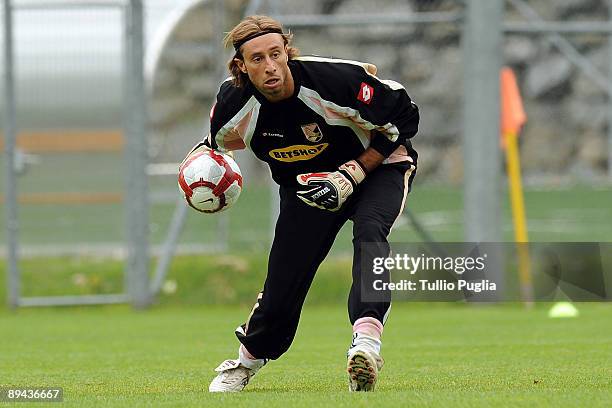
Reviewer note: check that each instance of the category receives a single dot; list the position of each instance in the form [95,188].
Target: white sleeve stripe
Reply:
[250,105]
[392,84]
[370,69]
[252,124]
[327,110]
[339,115]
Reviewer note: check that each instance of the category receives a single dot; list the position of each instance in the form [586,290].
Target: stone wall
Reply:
[564,140]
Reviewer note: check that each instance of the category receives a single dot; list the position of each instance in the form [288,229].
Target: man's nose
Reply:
[270,66]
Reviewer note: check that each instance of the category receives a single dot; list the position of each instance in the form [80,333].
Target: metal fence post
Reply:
[482,157]
[610,97]
[10,136]
[137,200]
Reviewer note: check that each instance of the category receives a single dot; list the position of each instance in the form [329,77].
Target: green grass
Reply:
[206,279]
[235,278]
[436,355]
[570,214]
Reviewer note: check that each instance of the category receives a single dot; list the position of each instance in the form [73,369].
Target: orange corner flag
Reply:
[513,115]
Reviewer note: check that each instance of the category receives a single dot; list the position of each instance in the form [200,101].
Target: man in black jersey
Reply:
[336,138]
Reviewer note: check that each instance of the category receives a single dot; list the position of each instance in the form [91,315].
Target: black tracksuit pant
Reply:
[302,239]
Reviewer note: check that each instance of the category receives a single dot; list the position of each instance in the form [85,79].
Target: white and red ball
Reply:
[211,181]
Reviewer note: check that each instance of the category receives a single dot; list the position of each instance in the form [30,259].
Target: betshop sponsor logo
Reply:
[298,152]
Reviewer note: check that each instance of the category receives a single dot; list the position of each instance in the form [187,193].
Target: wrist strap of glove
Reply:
[354,171]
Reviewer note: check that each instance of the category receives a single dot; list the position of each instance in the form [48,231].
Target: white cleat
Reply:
[363,368]
[232,377]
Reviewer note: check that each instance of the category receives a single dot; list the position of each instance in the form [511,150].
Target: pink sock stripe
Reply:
[246,353]
[368,325]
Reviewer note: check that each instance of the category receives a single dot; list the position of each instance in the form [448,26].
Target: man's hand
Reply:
[329,190]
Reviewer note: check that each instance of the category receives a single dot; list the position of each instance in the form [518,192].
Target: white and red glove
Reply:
[329,190]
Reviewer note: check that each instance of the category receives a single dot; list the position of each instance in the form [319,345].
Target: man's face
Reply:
[265,62]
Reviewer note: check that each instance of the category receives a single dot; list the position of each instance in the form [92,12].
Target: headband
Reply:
[238,44]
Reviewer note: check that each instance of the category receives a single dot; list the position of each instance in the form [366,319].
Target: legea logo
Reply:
[297,152]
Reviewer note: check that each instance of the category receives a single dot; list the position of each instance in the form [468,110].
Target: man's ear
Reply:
[241,65]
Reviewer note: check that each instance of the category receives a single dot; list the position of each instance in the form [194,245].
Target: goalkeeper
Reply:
[336,139]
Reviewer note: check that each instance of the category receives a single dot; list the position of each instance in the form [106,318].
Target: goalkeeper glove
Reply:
[329,190]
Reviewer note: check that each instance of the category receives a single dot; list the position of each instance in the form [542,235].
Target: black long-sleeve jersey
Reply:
[337,110]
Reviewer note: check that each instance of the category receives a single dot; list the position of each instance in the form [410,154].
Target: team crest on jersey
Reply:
[313,133]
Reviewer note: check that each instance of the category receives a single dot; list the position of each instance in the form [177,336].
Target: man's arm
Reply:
[381,107]
[330,190]
[370,159]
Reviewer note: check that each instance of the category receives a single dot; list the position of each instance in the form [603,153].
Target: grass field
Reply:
[564,213]
[567,214]
[436,355]
[561,213]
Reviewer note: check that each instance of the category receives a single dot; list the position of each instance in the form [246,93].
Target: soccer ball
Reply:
[210,181]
